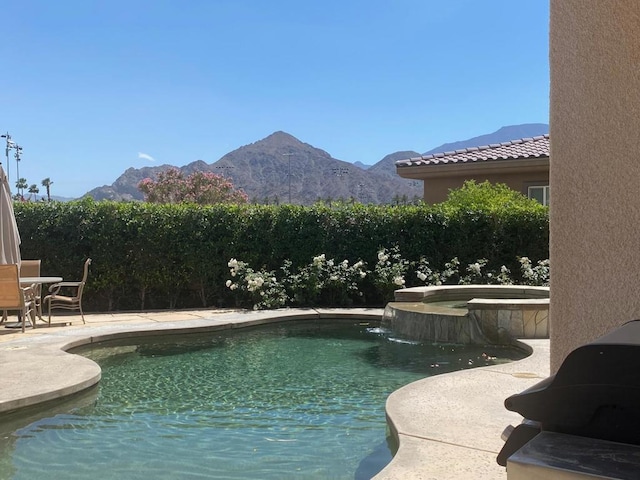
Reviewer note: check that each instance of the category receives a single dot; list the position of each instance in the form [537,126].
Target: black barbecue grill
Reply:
[595,393]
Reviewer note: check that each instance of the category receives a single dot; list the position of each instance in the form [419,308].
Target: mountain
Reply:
[382,167]
[125,188]
[504,134]
[57,198]
[280,168]
[361,165]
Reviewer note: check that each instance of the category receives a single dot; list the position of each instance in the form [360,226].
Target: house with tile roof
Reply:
[521,164]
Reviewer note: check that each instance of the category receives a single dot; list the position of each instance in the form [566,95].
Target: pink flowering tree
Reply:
[202,188]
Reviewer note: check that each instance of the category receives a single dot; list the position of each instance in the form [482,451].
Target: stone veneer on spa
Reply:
[478,314]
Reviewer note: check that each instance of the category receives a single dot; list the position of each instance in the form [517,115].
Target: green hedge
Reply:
[150,256]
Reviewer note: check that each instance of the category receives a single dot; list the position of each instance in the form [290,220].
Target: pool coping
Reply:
[419,294]
[459,439]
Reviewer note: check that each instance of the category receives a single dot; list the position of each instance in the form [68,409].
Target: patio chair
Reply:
[68,295]
[31,268]
[15,297]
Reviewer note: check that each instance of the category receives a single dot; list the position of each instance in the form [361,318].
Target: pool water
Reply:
[448,303]
[290,400]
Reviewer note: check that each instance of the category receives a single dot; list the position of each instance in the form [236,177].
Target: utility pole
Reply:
[9,146]
[289,155]
[339,171]
[18,149]
[225,168]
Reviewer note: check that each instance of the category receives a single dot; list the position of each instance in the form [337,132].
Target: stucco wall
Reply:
[595,169]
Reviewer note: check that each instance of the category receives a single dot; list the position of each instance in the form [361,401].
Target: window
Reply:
[539,193]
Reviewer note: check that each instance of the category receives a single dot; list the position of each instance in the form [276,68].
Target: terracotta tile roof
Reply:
[530,147]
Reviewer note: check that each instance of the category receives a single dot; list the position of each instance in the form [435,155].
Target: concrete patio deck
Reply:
[448,426]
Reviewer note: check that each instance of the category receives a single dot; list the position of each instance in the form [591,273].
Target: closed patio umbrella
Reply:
[9,236]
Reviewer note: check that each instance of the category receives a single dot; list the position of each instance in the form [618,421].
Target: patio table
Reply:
[26,281]
[40,280]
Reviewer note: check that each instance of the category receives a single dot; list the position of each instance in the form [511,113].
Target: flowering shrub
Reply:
[261,288]
[324,281]
[504,277]
[389,272]
[477,274]
[203,188]
[330,283]
[538,275]
[434,277]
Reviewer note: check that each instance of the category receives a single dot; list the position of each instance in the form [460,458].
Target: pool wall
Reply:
[491,314]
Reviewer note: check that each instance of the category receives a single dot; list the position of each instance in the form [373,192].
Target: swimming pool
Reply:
[291,400]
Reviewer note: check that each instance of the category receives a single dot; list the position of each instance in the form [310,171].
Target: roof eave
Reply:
[521,165]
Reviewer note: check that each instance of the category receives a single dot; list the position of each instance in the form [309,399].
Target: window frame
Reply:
[545,193]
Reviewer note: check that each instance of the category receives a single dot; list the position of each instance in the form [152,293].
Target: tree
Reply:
[21,184]
[203,188]
[33,190]
[46,183]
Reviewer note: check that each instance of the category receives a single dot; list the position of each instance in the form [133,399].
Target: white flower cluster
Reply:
[390,270]
[255,283]
[260,286]
[359,267]
[319,260]
[504,277]
[233,267]
[426,275]
[538,275]
[475,274]
[475,268]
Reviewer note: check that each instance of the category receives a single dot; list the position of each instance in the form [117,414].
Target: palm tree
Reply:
[46,183]
[21,184]
[33,190]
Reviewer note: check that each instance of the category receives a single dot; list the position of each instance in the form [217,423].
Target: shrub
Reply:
[487,197]
[149,255]
[261,288]
[389,272]
[337,284]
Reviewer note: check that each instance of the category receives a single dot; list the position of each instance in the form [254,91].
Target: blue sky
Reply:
[91,88]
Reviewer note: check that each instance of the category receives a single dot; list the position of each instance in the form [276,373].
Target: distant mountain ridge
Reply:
[361,165]
[504,134]
[280,168]
[512,132]
[386,166]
